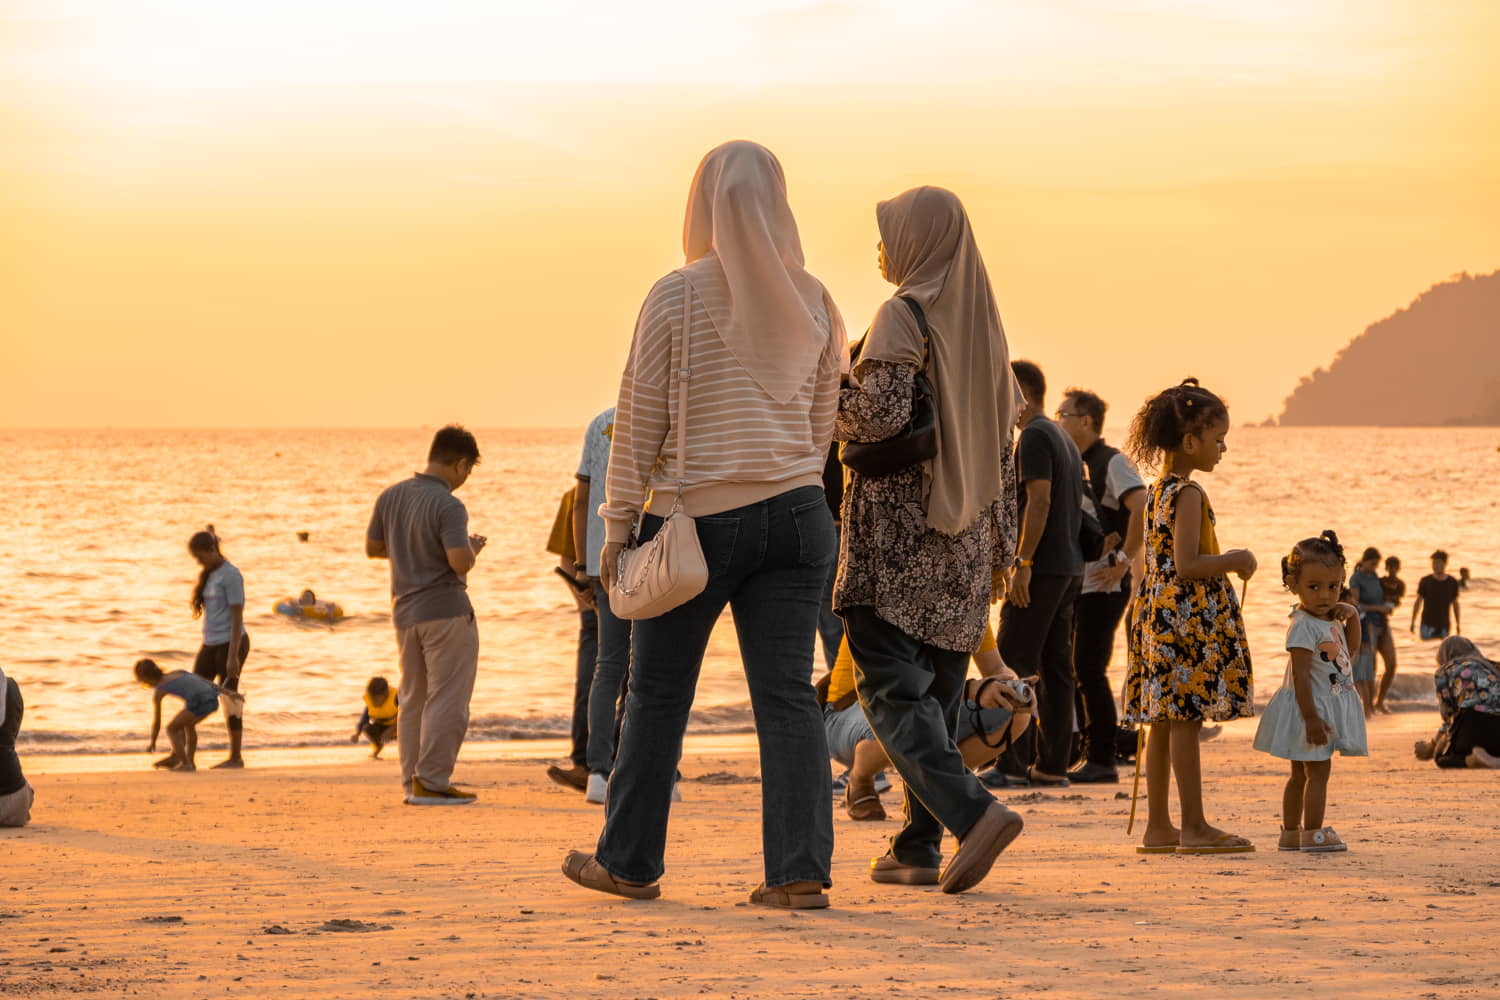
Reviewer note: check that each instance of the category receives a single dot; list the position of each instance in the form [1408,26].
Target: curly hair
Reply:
[1324,549]
[1168,417]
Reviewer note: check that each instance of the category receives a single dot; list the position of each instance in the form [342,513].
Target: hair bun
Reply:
[1332,539]
[1189,383]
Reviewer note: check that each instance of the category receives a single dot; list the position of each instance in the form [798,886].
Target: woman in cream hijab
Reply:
[764,343]
[922,546]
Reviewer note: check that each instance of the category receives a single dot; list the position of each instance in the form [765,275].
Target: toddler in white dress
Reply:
[1317,710]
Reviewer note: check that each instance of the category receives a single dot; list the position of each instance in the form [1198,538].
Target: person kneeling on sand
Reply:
[16,794]
[200,700]
[996,709]
[1468,693]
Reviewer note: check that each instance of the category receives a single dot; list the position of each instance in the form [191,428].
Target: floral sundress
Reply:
[1189,658]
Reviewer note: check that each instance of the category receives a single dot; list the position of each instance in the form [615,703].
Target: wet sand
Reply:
[313,880]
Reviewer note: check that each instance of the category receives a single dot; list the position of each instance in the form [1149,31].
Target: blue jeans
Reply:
[583,679]
[768,561]
[830,625]
[910,692]
[607,693]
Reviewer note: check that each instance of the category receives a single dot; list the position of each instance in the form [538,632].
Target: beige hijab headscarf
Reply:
[931,255]
[740,235]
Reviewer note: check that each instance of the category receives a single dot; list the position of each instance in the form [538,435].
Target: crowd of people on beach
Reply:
[880,497]
[974,496]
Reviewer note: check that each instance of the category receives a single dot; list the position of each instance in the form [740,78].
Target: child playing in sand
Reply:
[378,720]
[1318,710]
[1189,659]
[200,700]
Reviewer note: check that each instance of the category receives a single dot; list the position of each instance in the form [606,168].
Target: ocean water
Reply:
[96,573]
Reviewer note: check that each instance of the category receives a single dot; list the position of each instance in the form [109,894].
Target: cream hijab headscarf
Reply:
[740,235]
[931,255]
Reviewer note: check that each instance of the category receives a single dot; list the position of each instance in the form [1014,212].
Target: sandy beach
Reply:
[313,880]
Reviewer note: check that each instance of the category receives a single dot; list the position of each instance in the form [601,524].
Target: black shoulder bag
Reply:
[917,441]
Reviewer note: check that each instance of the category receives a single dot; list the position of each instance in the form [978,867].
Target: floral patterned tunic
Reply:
[1189,658]
[1467,682]
[932,586]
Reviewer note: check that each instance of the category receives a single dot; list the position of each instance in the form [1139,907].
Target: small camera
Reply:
[1020,689]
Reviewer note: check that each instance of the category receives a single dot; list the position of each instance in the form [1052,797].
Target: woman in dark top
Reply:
[16,795]
[921,546]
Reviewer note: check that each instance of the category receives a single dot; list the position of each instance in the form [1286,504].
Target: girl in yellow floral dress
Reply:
[1189,660]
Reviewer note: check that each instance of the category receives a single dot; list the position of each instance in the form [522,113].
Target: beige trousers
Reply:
[439,660]
[15,808]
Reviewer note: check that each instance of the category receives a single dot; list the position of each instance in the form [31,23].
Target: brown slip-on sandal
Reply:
[866,807]
[781,896]
[583,869]
[888,870]
[981,845]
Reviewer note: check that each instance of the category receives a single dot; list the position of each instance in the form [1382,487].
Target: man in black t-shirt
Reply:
[1436,593]
[1036,623]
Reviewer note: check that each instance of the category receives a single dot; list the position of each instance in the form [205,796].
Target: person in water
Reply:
[200,699]
[378,720]
[219,599]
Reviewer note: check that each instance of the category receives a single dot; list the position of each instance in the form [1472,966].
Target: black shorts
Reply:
[379,730]
[213,662]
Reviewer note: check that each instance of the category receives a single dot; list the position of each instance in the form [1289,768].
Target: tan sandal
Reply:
[980,846]
[866,808]
[589,873]
[783,897]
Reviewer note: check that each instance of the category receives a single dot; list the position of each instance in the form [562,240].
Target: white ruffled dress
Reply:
[1282,732]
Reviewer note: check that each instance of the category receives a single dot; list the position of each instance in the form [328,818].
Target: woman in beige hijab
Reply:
[923,546]
[763,344]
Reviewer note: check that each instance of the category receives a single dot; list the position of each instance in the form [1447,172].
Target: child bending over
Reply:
[200,700]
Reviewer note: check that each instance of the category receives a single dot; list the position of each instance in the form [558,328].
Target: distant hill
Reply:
[1435,362]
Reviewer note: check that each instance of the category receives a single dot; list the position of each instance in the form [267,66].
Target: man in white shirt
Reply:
[1120,499]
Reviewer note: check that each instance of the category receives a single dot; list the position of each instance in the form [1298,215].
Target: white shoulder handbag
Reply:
[669,570]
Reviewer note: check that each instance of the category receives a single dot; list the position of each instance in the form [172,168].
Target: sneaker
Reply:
[1322,841]
[996,778]
[1047,780]
[598,785]
[888,870]
[421,796]
[1092,773]
[840,783]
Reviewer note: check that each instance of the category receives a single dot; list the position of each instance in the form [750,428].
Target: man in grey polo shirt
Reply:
[423,529]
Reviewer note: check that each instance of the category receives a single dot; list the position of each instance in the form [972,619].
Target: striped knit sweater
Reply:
[742,445]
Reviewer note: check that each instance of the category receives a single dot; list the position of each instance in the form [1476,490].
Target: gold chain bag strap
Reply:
[669,570]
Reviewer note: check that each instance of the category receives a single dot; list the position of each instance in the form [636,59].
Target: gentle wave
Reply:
[273,732]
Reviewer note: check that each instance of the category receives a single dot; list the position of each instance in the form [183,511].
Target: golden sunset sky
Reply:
[293,212]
